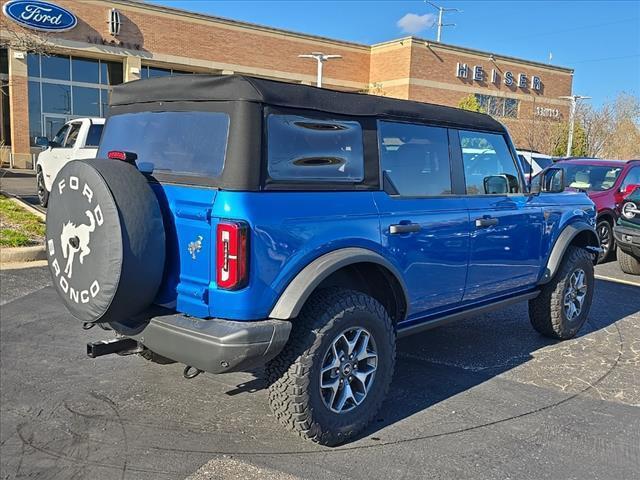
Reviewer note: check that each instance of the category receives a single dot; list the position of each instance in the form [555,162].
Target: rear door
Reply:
[425,226]
[506,226]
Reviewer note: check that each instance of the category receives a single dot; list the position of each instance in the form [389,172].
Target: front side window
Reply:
[489,167]
[415,158]
[181,143]
[73,135]
[308,149]
[58,140]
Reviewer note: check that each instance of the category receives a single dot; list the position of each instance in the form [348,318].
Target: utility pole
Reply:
[441,11]
[572,118]
[320,58]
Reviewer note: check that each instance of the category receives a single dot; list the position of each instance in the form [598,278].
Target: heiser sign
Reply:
[478,74]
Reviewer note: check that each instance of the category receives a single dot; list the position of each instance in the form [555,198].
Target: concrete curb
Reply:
[27,207]
[23,254]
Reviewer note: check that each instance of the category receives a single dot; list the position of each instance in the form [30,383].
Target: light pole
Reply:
[572,118]
[441,11]
[320,58]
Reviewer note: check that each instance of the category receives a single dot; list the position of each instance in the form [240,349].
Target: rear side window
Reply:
[415,158]
[93,137]
[313,150]
[486,156]
[181,143]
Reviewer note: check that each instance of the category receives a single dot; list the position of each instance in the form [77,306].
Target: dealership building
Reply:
[49,77]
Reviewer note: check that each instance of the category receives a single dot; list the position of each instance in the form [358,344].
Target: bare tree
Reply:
[20,39]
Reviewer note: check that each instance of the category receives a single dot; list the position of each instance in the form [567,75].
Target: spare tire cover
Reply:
[105,240]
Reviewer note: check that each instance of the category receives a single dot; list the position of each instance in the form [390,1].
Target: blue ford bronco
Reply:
[232,222]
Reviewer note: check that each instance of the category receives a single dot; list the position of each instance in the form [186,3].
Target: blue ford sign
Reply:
[40,15]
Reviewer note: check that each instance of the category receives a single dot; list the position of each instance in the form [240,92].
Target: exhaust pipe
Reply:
[121,346]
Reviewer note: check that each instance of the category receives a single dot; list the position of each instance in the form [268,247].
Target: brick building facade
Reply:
[74,77]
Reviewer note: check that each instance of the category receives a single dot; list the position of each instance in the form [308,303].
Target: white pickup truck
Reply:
[77,139]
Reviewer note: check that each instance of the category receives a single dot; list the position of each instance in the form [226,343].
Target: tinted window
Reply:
[526,167]
[415,158]
[309,149]
[55,67]
[486,156]
[93,137]
[86,101]
[35,116]
[185,143]
[543,162]
[73,135]
[85,70]
[33,65]
[111,73]
[56,98]
[592,178]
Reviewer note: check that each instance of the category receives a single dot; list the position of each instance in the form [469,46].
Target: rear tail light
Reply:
[232,255]
[122,155]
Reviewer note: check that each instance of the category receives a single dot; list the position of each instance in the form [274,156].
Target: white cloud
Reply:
[412,23]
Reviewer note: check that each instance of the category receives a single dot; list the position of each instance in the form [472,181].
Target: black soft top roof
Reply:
[212,88]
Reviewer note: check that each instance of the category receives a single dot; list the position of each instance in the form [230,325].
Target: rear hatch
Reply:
[178,152]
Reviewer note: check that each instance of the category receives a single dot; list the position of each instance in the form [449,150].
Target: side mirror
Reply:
[552,180]
[629,188]
[496,184]
[42,142]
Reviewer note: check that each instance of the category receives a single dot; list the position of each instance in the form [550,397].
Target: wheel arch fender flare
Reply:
[580,233]
[297,292]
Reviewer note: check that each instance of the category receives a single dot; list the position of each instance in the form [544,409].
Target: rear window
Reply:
[308,149]
[543,162]
[181,143]
[93,137]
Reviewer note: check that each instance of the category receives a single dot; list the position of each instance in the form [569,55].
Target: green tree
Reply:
[470,102]
[579,147]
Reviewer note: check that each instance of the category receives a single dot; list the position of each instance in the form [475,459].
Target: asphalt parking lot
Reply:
[483,398]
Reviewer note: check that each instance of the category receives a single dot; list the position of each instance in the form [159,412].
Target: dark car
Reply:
[627,233]
[606,182]
[250,223]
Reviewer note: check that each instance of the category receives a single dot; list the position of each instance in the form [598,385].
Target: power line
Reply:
[607,58]
[595,25]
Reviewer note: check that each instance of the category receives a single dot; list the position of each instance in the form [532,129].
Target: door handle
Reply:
[485,222]
[404,228]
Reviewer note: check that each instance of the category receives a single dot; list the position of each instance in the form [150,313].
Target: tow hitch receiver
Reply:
[121,346]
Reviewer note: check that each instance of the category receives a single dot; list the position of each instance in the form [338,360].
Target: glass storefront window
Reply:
[33,65]
[86,101]
[35,117]
[158,72]
[104,98]
[111,73]
[55,67]
[85,70]
[4,61]
[56,98]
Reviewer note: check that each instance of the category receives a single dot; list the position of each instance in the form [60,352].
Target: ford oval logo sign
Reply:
[40,15]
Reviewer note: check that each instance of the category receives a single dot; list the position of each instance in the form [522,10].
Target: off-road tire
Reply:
[628,263]
[606,254]
[41,189]
[546,311]
[294,391]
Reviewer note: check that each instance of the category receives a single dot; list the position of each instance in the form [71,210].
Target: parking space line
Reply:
[617,280]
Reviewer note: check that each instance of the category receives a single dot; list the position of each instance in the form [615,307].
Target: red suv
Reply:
[607,182]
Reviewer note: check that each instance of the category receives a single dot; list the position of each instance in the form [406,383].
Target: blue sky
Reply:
[599,39]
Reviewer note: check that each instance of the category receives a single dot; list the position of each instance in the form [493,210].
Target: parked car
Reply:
[253,223]
[77,139]
[534,162]
[627,233]
[606,182]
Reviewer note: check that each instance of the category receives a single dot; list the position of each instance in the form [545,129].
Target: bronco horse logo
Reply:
[75,239]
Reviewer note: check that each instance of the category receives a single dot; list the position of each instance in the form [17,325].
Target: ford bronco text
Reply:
[232,222]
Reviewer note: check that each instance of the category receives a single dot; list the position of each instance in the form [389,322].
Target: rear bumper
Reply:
[628,239]
[214,345]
